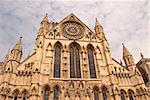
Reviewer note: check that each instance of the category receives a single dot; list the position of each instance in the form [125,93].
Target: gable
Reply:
[72,28]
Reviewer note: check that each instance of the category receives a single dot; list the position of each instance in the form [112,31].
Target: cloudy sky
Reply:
[124,21]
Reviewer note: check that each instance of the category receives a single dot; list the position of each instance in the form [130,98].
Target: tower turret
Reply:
[99,30]
[16,52]
[44,26]
[127,57]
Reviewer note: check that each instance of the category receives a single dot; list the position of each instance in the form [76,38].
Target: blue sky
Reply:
[124,21]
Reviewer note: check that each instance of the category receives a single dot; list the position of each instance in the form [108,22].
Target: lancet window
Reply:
[131,95]
[46,93]
[104,93]
[91,61]
[57,61]
[122,94]
[96,93]
[75,71]
[56,93]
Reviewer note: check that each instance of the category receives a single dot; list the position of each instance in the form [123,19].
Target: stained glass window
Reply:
[15,97]
[96,93]
[131,95]
[104,93]
[75,71]
[56,93]
[46,93]
[122,94]
[57,61]
[72,75]
[91,63]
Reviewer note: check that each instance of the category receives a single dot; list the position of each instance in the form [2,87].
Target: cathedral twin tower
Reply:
[71,62]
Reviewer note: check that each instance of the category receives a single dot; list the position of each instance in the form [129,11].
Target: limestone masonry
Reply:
[71,62]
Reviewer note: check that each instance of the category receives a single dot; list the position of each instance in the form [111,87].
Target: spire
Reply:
[45,19]
[98,28]
[125,51]
[97,23]
[16,52]
[18,45]
[127,57]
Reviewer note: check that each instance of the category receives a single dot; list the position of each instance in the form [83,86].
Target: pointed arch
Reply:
[91,61]
[16,93]
[56,92]
[131,94]
[24,94]
[104,93]
[57,60]
[96,93]
[75,70]
[46,92]
[123,94]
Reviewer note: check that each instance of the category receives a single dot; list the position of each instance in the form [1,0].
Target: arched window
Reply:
[16,94]
[57,61]
[91,62]
[46,93]
[144,75]
[56,93]
[24,95]
[96,93]
[4,97]
[75,71]
[15,97]
[104,93]
[122,94]
[131,95]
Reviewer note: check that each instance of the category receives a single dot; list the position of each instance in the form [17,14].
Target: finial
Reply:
[97,23]
[142,56]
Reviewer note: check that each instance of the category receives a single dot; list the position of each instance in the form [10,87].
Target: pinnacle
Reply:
[45,18]
[97,23]
[125,51]
[142,56]
[18,45]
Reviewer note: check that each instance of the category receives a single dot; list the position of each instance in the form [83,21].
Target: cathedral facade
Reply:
[72,62]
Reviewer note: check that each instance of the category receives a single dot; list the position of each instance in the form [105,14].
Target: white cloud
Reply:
[123,20]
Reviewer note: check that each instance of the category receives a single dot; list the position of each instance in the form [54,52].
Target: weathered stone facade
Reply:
[70,62]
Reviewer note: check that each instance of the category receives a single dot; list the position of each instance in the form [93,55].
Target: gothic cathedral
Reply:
[72,62]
